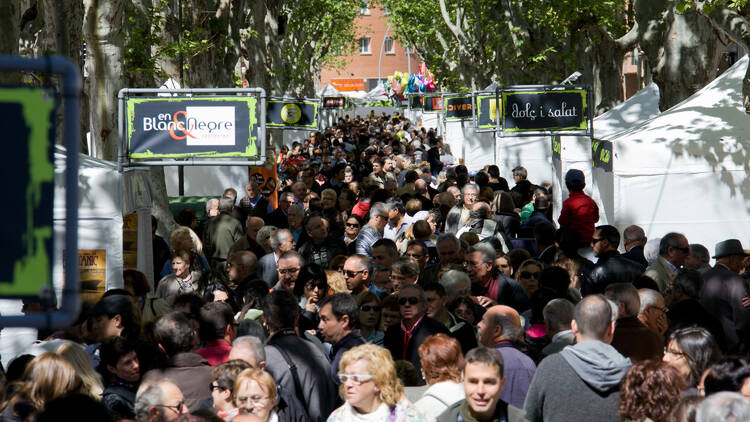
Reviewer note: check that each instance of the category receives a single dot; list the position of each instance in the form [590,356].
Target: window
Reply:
[364,7]
[388,45]
[364,46]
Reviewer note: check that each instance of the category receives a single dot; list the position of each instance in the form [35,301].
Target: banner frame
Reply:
[124,160]
[475,111]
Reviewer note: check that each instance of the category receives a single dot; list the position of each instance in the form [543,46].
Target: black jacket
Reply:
[119,399]
[636,254]
[690,312]
[277,218]
[609,269]
[394,341]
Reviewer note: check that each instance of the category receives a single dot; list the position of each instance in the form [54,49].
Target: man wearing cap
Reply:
[723,291]
[579,211]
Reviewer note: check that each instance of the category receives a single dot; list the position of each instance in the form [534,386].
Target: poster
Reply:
[487,111]
[267,178]
[458,108]
[130,241]
[92,273]
[292,113]
[545,110]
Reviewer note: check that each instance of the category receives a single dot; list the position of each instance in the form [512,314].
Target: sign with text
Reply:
[92,270]
[560,110]
[432,103]
[27,118]
[192,127]
[458,108]
[601,155]
[348,84]
[334,102]
[488,107]
[292,113]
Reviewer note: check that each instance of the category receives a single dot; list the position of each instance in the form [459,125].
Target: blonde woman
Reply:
[91,381]
[371,388]
[47,377]
[255,393]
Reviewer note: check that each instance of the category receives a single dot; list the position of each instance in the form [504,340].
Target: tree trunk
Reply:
[103,32]
[10,19]
[682,49]
[737,27]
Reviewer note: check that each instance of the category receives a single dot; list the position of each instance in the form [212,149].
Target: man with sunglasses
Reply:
[403,340]
[159,401]
[611,267]
[673,250]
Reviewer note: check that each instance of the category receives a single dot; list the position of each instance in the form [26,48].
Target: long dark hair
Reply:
[311,272]
[700,350]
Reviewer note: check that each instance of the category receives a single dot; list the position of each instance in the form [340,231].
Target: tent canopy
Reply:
[686,169]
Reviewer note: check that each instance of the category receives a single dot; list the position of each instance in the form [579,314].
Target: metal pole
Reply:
[380,58]
[181,169]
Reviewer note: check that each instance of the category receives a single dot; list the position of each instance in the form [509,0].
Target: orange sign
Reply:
[348,84]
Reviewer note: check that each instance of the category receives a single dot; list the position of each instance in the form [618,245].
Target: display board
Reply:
[458,107]
[335,102]
[432,103]
[416,100]
[545,110]
[27,117]
[192,127]
[601,155]
[487,110]
[292,113]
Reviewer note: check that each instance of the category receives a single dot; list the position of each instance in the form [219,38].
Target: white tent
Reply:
[575,152]
[686,170]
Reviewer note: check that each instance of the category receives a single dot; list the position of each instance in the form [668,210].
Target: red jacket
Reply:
[580,213]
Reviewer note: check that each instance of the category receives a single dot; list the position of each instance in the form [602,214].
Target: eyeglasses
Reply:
[672,352]
[413,300]
[594,240]
[212,387]
[355,225]
[178,408]
[357,378]
[352,274]
[241,400]
[369,308]
[527,274]
[289,270]
[311,286]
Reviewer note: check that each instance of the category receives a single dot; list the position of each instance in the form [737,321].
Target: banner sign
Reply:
[601,155]
[487,111]
[192,127]
[348,84]
[92,270]
[291,113]
[416,101]
[545,110]
[334,102]
[556,148]
[27,118]
[458,108]
[432,103]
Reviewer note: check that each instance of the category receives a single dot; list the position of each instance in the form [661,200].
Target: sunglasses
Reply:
[359,379]
[413,300]
[355,225]
[368,308]
[527,274]
[320,286]
[352,274]
[594,240]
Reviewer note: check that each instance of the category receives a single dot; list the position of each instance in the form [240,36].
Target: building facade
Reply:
[377,54]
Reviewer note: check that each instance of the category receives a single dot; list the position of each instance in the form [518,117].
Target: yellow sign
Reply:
[130,241]
[291,113]
[92,270]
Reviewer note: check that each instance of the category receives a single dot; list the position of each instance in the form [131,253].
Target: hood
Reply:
[598,364]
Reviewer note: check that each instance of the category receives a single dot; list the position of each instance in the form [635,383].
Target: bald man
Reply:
[500,328]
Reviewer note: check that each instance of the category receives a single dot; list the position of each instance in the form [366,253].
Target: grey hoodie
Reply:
[598,364]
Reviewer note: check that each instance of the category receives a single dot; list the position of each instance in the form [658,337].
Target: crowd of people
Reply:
[389,284]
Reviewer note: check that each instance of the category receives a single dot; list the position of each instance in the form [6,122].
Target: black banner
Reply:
[487,111]
[184,127]
[334,102]
[458,108]
[432,103]
[601,155]
[546,110]
[416,101]
[292,113]
[556,147]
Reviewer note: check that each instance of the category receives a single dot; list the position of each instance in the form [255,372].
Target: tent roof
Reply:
[713,114]
[642,106]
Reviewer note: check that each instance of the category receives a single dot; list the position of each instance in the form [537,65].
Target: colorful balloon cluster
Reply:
[400,83]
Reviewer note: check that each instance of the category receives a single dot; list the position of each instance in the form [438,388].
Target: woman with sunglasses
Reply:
[369,317]
[371,388]
[351,228]
[311,287]
[528,275]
